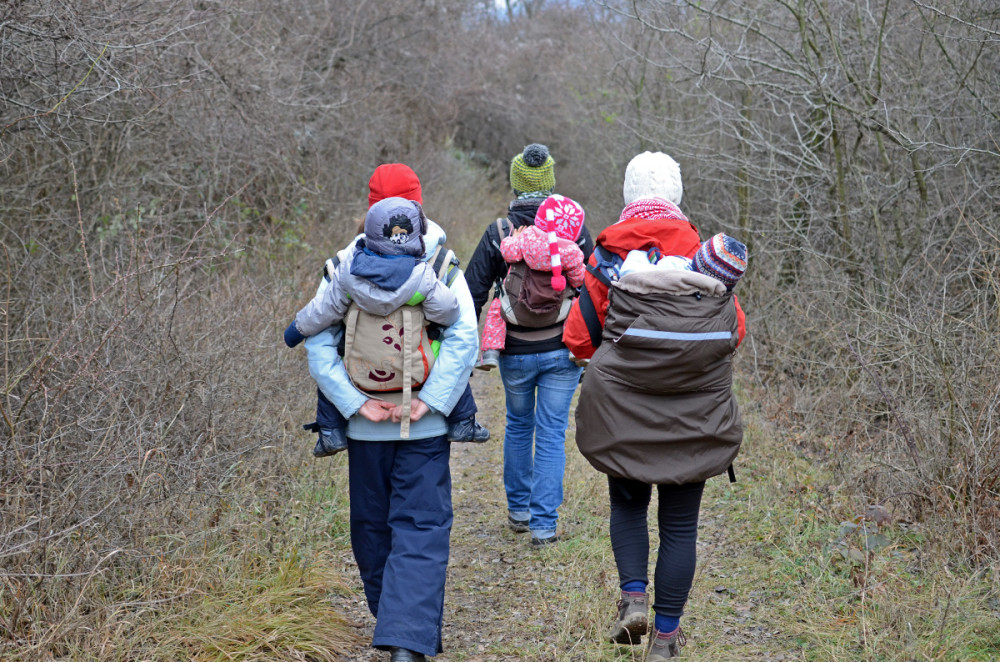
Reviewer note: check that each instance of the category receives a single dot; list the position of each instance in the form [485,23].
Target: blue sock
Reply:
[666,624]
[634,587]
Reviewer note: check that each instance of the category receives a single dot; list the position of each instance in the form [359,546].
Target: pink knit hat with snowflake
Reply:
[561,218]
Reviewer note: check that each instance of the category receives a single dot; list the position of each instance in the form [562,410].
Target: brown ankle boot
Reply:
[663,647]
[633,619]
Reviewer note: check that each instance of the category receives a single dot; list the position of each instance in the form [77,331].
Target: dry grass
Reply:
[259,587]
[172,178]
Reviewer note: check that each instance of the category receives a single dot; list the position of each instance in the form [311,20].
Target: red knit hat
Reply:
[394,180]
[562,218]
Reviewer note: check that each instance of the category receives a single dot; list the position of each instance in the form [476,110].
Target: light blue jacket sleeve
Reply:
[328,370]
[459,347]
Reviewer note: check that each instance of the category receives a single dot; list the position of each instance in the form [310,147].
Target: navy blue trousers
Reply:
[329,417]
[677,519]
[400,530]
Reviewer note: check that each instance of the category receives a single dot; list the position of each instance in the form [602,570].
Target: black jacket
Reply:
[487,266]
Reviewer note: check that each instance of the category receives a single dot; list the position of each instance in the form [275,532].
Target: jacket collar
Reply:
[671,236]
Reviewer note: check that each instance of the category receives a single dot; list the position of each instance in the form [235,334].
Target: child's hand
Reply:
[510,247]
[417,410]
[376,411]
[292,335]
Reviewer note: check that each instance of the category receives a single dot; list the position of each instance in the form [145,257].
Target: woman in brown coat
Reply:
[656,404]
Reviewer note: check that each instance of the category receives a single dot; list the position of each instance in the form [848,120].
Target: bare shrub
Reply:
[162,168]
[173,175]
[852,145]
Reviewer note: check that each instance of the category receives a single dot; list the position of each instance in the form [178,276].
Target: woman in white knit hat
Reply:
[655,405]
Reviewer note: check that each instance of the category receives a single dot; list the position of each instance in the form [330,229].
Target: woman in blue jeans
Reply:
[538,376]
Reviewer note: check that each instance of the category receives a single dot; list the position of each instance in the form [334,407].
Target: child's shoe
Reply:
[490,360]
[330,442]
[468,429]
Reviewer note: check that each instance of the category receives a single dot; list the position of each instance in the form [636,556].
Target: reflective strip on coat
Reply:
[656,404]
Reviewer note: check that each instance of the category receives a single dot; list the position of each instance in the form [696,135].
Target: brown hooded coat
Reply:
[656,404]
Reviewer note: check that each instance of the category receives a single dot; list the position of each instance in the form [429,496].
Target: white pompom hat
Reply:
[653,174]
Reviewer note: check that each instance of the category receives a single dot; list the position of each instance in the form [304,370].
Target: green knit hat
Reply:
[533,170]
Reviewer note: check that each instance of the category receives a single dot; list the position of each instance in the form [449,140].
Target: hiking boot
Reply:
[468,430]
[664,647]
[517,525]
[397,654]
[490,360]
[632,621]
[541,542]
[330,442]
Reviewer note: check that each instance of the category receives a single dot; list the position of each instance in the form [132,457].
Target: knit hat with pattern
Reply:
[653,174]
[394,180]
[533,170]
[395,226]
[722,258]
[560,218]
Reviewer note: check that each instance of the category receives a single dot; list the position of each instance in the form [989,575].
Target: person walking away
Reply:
[550,246]
[392,180]
[656,405]
[385,274]
[538,376]
[400,489]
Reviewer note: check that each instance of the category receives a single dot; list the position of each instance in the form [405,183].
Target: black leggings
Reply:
[677,518]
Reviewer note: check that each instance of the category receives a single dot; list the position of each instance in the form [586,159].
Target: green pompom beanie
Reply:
[533,170]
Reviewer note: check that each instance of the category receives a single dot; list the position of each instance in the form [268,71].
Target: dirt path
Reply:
[508,601]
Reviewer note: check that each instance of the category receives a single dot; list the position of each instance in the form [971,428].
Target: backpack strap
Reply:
[504,230]
[590,318]
[605,271]
[608,263]
[330,267]
[445,265]
[409,334]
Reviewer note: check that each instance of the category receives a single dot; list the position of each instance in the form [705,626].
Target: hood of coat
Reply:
[522,212]
[382,302]
[671,236]
[435,237]
[378,301]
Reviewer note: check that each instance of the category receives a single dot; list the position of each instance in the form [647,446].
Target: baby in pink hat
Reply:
[548,245]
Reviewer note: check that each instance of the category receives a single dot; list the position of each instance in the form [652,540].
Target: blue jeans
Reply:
[539,390]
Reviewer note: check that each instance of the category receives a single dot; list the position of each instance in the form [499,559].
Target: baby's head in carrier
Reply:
[723,258]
